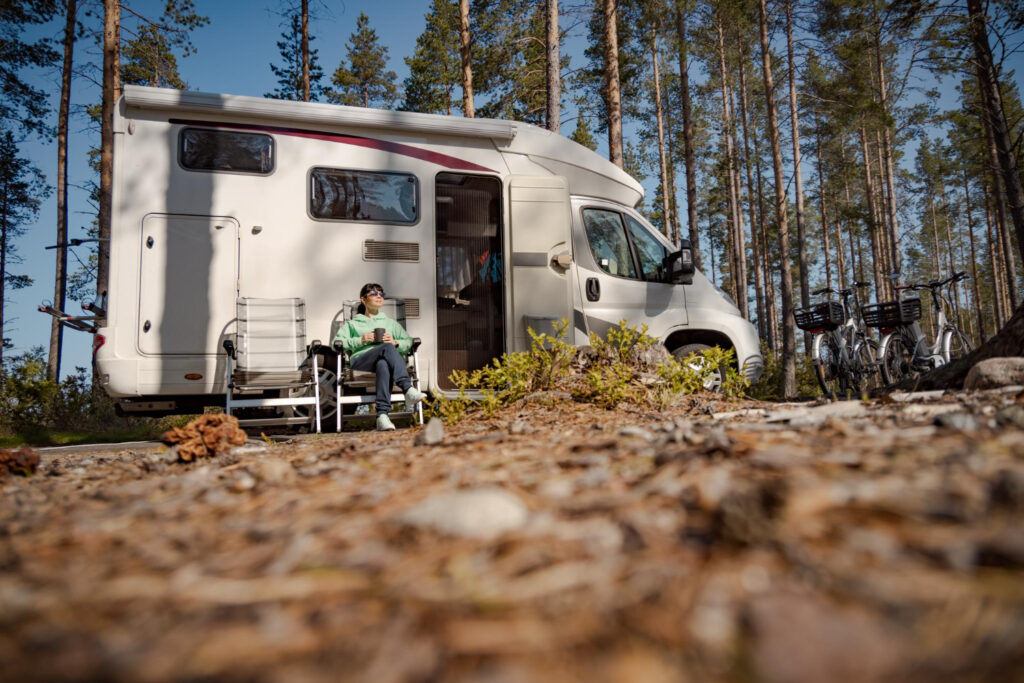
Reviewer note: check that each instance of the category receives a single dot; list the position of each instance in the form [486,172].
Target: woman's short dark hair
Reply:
[367,287]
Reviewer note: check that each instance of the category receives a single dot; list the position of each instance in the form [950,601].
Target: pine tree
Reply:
[435,66]
[22,189]
[289,72]
[582,135]
[364,82]
[149,60]
[23,106]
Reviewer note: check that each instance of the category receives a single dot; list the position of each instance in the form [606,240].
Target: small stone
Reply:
[1011,415]
[638,432]
[481,513]
[993,373]
[521,427]
[965,422]
[273,471]
[432,434]
[242,482]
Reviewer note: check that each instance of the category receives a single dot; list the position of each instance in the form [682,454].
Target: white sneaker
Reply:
[384,423]
[413,396]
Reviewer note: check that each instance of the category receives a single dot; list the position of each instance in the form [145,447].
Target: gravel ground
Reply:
[714,541]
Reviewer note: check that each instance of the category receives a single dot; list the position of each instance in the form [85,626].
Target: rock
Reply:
[638,432]
[521,427]
[432,434]
[243,481]
[995,372]
[964,422]
[481,513]
[1011,415]
[273,471]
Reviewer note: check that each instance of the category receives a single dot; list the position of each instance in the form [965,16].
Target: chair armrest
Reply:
[338,347]
[314,346]
[229,348]
[416,341]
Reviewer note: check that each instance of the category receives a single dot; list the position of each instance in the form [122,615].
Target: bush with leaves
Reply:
[767,387]
[625,366]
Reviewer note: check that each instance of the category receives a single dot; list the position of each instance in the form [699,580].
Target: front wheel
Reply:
[866,353]
[715,379]
[955,344]
[826,366]
[897,360]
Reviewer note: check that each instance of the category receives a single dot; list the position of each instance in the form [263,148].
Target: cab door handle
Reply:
[593,289]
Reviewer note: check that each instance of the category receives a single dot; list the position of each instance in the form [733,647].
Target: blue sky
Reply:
[234,52]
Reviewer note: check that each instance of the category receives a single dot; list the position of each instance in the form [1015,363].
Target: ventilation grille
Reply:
[412,306]
[406,252]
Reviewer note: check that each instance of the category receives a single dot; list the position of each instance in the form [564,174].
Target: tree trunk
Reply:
[611,81]
[801,222]
[869,192]
[995,259]
[735,221]
[1007,266]
[305,50]
[688,155]
[751,204]
[974,260]
[467,64]
[554,68]
[740,236]
[3,270]
[60,276]
[111,91]
[662,164]
[788,387]
[992,102]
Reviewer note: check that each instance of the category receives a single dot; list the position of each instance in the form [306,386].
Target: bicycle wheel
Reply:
[955,344]
[898,360]
[868,375]
[826,366]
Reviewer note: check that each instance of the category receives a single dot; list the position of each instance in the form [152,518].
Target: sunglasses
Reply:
[375,292]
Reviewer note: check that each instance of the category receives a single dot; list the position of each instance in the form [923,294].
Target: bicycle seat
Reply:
[823,290]
[862,285]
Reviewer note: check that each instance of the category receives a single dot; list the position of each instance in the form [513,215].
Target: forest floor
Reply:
[719,541]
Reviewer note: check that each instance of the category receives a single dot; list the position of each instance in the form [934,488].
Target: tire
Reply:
[714,383]
[826,367]
[955,344]
[897,361]
[868,375]
[326,368]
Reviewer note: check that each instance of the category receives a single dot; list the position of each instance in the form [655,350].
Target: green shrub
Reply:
[768,387]
[37,410]
[625,366]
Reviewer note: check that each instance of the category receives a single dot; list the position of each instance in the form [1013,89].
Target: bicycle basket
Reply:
[889,314]
[823,316]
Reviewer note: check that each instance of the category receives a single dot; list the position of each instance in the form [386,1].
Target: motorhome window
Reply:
[203,149]
[608,242]
[649,251]
[341,195]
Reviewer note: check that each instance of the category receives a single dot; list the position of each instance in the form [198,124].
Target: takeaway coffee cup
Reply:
[378,334]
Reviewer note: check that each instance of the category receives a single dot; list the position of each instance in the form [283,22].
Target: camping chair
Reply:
[270,351]
[358,387]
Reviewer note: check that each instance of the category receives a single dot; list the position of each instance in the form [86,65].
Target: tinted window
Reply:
[337,194]
[649,251]
[608,242]
[225,150]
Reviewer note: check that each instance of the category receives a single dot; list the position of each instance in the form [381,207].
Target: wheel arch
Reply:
[686,336]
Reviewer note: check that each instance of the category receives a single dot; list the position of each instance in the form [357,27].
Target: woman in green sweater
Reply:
[386,358]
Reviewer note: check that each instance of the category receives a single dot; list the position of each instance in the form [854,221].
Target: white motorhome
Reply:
[483,227]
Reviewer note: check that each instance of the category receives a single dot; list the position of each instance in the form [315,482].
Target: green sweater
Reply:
[350,334]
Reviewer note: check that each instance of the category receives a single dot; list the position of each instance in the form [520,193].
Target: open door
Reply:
[470,273]
[187,281]
[541,245]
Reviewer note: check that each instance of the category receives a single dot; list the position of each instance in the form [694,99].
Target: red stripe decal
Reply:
[370,143]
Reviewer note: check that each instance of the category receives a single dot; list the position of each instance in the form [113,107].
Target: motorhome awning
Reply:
[143,97]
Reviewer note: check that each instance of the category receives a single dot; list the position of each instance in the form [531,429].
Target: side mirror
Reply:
[678,265]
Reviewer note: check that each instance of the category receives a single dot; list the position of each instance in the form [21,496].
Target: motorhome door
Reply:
[187,281]
[541,246]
